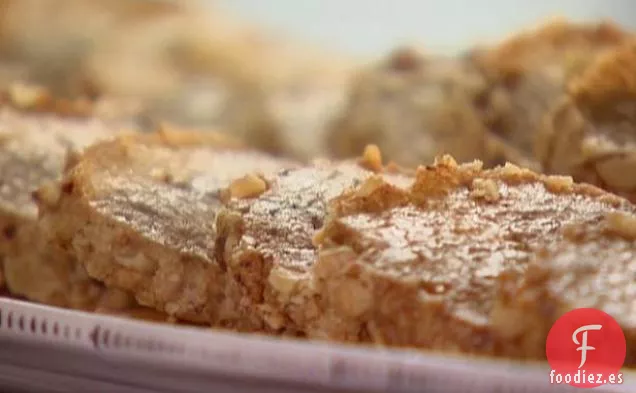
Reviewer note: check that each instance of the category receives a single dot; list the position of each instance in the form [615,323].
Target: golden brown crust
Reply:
[420,267]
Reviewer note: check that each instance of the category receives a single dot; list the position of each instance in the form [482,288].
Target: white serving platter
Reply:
[54,350]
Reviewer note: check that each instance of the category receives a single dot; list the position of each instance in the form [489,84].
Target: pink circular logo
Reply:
[586,348]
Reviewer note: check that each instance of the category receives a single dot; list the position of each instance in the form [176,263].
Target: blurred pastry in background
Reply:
[288,109]
[591,133]
[528,72]
[186,62]
[415,107]
[50,41]
[180,59]
[34,99]
[34,150]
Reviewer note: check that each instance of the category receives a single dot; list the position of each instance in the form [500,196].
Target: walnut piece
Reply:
[559,183]
[371,158]
[248,186]
[26,96]
[622,224]
[486,189]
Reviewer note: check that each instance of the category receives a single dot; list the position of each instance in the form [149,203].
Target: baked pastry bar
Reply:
[420,268]
[527,74]
[591,133]
[265,243]
[139,214]
[593,266]
[34,151]
[415,107]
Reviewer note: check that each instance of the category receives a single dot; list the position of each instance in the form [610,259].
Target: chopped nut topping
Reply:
[249,186]
[559,183]
[621,224]
[25,96]
[372,158]
[510,169]
[486,189]
[370,185]
[446,160]
[318,238]
[475,166]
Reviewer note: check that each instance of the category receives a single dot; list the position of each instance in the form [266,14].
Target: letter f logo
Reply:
[583,344]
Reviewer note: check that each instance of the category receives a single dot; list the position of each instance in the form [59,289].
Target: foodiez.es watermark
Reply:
[586,348]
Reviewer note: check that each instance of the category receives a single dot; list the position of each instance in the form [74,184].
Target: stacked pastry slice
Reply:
[350,251]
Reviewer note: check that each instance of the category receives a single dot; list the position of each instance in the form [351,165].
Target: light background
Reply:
[372,27]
